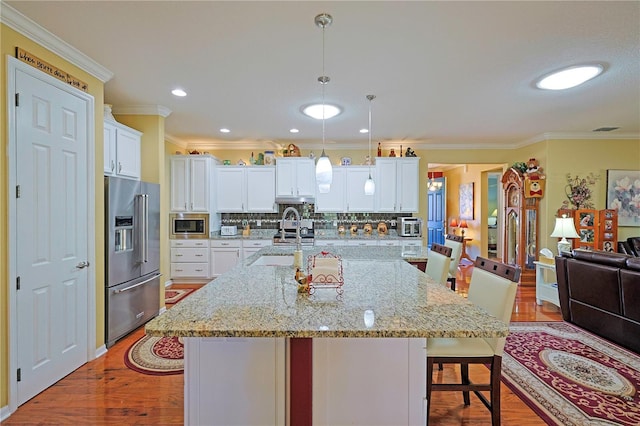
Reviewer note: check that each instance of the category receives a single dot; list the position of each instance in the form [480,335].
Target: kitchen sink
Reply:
[274,260]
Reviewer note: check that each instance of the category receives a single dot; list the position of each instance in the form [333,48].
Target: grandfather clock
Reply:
[520,226]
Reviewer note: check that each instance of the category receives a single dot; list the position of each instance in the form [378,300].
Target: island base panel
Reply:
[234,381]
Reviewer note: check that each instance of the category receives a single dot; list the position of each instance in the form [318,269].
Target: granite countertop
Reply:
[263,301]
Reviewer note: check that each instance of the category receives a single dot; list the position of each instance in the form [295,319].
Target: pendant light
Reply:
[369,185]
[324,171]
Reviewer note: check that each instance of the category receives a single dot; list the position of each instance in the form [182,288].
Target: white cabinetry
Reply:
[397,182]
[362,243]
[191,183]
[334,201]
[121,150]
[241,189]
[330,243]
[189,259]
[295,177]
[250,247]
[357,200]
[347,191]
[225,254]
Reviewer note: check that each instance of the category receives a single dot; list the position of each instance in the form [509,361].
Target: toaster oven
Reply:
[409,227]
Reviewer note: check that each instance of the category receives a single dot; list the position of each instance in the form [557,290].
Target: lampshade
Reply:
[494,213]
[453,223]
[324,171]
[369,185]
[564,229]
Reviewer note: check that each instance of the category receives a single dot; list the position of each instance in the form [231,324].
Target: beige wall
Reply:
[9,40]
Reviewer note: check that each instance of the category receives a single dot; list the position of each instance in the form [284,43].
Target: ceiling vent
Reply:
[605,129]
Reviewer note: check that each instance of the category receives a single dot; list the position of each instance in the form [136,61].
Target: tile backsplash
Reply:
[321,220]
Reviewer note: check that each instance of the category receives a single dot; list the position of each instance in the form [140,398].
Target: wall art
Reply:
[466,201]
[623,195]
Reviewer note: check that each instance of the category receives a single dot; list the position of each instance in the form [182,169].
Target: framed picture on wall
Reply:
[623,187]
[466,201]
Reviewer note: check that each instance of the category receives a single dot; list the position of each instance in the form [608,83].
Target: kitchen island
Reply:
[259,352]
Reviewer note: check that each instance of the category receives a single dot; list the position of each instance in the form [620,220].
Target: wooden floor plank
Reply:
[105,391]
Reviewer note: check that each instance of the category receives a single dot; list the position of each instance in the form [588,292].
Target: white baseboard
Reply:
[162,310]
[102,350]
[167,284]
[5,412]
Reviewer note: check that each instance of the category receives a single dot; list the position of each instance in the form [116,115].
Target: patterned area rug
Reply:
[156,356]
[571,377]
[172,296]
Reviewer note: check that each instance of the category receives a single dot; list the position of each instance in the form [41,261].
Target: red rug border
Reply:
[525,397]
[187,290]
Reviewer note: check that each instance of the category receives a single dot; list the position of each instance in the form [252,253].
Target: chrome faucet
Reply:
[296,213]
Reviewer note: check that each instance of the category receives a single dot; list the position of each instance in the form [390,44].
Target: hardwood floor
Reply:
[105,391]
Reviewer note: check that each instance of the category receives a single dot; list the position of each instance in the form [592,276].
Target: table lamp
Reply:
[463,225]
[564,229]
[453,224]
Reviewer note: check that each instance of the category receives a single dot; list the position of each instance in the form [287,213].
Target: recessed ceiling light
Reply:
[225,130]
[179,92]
[315,111]
[569,77]
[294,131]
[364,130]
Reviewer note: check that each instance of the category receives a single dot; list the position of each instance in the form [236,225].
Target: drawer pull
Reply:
[178,255]
[198,255]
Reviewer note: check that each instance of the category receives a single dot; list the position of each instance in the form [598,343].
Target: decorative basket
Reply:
[292,151]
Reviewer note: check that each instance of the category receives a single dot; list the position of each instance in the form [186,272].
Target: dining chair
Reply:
[455,242]
[438,261]
[493,287]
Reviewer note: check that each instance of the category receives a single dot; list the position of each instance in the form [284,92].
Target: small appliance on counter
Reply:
[409,227]
[228,230]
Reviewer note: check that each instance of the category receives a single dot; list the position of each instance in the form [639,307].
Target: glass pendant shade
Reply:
[324,173]
[369,187]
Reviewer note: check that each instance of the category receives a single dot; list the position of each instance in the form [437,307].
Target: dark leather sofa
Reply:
[600,292]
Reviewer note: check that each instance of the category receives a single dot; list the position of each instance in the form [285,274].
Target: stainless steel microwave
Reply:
[189,225]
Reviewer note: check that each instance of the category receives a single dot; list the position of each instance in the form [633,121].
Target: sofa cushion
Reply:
[634,242]
[594,284]
[617,260]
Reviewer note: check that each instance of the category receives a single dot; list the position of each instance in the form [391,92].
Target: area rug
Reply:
[156,356]
[569,376]
[172,296]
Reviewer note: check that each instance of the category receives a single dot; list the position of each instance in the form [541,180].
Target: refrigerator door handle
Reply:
[143,235]
[131,287]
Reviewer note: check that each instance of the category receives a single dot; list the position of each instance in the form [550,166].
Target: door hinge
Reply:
[17,99]
[17,191]
[17,283]
[19,375]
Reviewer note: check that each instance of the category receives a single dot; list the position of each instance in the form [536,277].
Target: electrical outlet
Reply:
[393,223]
[258,223]
[335,223]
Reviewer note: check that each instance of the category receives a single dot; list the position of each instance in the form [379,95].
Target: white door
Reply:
[51,234]
[229,183]
[261,190]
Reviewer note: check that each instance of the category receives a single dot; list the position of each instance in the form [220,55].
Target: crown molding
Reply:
[142,110]
[414,144]
[30,29]
[175,141]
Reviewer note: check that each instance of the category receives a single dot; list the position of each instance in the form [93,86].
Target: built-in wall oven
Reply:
[189,225]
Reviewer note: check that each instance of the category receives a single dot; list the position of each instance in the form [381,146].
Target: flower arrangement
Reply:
[579,192]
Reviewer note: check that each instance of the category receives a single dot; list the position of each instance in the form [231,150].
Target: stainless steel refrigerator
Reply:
[132,255]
